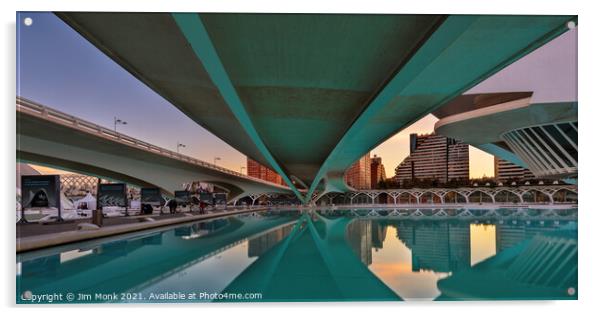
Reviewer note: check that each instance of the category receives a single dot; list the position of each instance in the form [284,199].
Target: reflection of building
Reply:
[257,170]
[265,242]
[358,175]
[434,157]
[505,170]
[363,236]
[445,246]
[379,233]
[459,243]
[359,235]
[440,247]
[377,171]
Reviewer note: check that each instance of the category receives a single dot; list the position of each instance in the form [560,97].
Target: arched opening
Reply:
[339,199]
[384,198]
[406,198]
[262,200]
[506,196]
[565,196]
[454,197]
[479,197]
[430,198]
[347,198]
[535,196]
[362,198]
[244,201]
[323,200]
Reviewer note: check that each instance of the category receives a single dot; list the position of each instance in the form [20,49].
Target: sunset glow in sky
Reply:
[396,148]
[393,262]
[393,265]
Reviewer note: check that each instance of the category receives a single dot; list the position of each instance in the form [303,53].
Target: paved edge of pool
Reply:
[57,239]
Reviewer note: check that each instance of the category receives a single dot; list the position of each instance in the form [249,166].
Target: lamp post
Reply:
[118,121]
[215,159]
[178,147]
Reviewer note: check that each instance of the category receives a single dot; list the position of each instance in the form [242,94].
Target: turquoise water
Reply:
[317,256]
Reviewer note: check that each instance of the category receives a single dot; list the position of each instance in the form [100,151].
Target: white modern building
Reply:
[526,114]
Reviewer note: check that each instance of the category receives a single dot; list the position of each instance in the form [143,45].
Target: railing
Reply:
[505,213]
[35,109]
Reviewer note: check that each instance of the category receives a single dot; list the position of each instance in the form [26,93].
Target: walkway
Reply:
[36,236]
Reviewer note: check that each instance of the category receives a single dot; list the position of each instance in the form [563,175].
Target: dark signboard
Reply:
[112,194]
[182,197]
[41,191]
[151,196]
[221,199]
[206,198]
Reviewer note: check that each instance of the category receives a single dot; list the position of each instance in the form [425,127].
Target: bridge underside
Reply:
[46,143]
[309,94]
[485,126]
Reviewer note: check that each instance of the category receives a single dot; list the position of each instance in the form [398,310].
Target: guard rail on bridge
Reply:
[35,109]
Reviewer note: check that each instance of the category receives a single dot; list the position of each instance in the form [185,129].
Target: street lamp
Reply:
[215,159]
[118,121]
[178,147]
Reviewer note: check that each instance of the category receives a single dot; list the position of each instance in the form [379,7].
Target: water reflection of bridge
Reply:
[137,262]
[316,254]
[315,262]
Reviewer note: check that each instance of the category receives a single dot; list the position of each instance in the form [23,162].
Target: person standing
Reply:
[173,205]
[202,207]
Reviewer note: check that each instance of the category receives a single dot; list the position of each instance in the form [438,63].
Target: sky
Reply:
[58,68]
[550,72]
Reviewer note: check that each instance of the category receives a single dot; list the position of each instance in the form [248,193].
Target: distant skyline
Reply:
[394,150]
[58,68]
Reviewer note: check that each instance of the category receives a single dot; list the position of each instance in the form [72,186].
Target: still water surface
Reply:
[316,256]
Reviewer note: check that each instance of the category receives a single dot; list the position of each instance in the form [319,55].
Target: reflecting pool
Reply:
[373,255]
